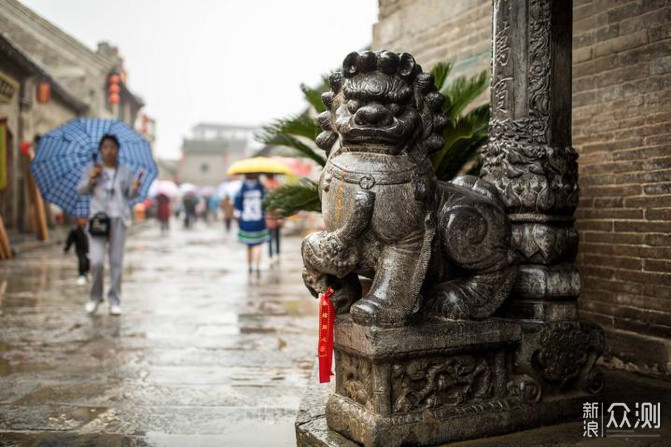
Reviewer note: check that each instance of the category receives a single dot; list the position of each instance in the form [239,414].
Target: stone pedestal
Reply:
[445,381]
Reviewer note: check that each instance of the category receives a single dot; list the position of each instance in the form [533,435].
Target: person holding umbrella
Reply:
[66,177]
[110,185]
[248,202]
[252,229]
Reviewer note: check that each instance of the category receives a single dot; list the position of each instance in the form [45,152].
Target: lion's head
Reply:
[382,102]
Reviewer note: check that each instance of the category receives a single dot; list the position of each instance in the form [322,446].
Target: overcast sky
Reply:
[229,61]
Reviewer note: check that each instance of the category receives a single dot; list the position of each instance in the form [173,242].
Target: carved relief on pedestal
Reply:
[525,388]
[567,351]
[438,382]
[355,379]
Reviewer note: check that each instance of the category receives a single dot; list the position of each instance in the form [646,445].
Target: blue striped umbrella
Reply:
[64,152]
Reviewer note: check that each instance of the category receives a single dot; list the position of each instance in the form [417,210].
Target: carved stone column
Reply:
[529,157]
[530,160]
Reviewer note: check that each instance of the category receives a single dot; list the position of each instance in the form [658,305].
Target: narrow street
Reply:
[203,354]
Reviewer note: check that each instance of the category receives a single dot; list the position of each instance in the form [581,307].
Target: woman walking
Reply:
[252,222]
[111,185]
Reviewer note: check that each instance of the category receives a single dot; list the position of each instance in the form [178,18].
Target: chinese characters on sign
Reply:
[619,420]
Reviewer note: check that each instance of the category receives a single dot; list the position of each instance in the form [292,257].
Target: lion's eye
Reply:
[394,108]
[353,105]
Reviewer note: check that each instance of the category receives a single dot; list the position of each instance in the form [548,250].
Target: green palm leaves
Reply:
[464,133]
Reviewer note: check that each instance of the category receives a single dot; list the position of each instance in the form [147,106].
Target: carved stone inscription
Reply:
[533,171]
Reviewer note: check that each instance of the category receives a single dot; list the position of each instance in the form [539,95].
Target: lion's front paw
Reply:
[325,252]
[373,311]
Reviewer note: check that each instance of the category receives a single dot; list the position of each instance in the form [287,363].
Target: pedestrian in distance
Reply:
[212,204]
[252,229]
[190,202]
[274,222]
[78,237]
[111,185]
[163,212]
[228,212]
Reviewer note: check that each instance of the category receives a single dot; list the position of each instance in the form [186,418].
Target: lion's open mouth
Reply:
[391,135]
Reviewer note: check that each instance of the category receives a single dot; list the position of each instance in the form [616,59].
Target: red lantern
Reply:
[25,147]
[43,92]
[113,98]
[114,79]
[114,88]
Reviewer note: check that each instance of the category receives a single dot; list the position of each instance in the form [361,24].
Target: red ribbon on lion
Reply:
[325,345]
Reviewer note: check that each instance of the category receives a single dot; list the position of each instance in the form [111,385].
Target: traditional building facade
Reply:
[621,90]
[38,59]
[25,114]
[211,149]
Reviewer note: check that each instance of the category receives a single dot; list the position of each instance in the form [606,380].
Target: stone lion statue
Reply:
[428,246]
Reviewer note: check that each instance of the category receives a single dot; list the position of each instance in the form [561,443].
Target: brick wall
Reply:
[622,131]
[437,30]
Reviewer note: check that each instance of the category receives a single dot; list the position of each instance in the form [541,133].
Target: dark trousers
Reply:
[274,237]
[84,264]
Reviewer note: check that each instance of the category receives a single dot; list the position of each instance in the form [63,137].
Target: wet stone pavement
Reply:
[203,355]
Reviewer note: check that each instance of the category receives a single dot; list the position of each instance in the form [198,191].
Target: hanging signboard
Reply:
[8,86]
[4,156]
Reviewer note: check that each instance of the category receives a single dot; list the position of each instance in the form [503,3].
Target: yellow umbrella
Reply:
[258,165]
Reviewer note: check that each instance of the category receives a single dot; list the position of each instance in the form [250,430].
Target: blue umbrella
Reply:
[65,151]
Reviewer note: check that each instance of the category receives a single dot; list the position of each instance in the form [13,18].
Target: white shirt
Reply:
[113,191]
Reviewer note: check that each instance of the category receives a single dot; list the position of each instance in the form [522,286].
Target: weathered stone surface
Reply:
[539,310]
[446,381]
[544,239]
[542,282]
[389,380]
[430,247]
[621,387]
[429,336]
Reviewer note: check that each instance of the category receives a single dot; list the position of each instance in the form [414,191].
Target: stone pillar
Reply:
[530,160]
[529,157]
